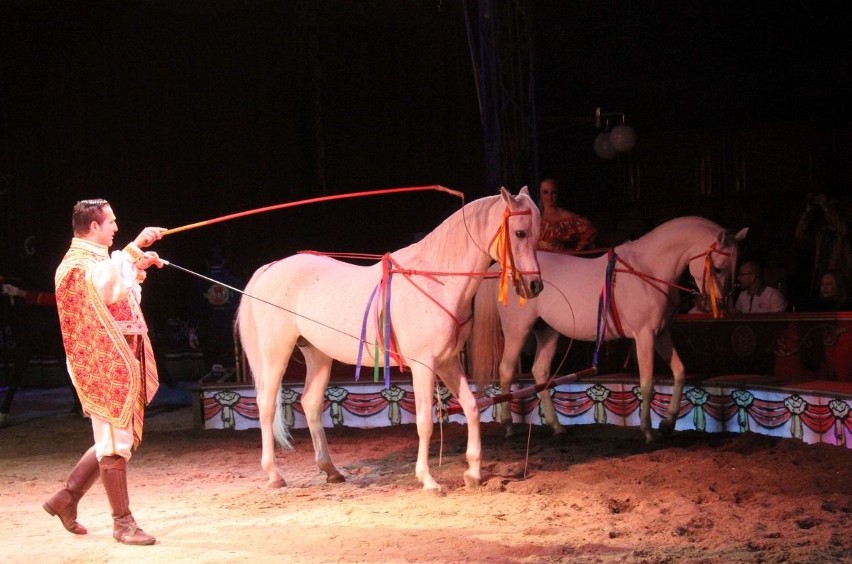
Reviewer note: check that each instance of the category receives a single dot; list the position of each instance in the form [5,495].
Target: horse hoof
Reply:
[429,484]
[666,428]
[472,482]
[335,479]
[274,484]
[433,490]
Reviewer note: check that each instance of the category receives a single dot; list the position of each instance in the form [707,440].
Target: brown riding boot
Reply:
[64,502]
[114,476]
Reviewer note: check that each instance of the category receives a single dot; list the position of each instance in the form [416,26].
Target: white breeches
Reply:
[111,440]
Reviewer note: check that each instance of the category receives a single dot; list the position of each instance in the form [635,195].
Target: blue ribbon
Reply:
[603,307]
[387,319]
[364,333]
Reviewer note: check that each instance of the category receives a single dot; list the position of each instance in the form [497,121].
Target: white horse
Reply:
[643,298]
[425,290]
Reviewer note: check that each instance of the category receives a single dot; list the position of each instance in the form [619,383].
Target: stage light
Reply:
[619,139]
[622,138]
[603,146]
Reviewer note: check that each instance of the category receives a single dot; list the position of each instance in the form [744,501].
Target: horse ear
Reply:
[724,237]
[524,191]
[507,197]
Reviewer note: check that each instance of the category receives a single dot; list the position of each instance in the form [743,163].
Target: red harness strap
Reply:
[384,332]
[506,258]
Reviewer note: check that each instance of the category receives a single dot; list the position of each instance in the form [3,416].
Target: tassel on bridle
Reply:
[507,261]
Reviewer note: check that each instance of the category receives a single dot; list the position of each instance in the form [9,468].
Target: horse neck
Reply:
[458,245]
[667,250]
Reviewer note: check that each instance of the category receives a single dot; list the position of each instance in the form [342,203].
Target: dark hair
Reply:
[85,212]
[756,265]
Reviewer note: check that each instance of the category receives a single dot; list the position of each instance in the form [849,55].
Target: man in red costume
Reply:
[110,359]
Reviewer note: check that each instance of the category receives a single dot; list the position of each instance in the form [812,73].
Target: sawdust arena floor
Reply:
[595,494]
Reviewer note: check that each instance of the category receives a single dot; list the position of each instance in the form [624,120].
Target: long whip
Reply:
[312,201]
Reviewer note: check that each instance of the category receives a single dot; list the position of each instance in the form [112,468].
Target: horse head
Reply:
[514,246]
[715,275]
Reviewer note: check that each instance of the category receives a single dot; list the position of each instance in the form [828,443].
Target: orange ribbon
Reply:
[507,265]
[711,284]
[503,254]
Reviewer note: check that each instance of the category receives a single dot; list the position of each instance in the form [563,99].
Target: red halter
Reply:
[506,258]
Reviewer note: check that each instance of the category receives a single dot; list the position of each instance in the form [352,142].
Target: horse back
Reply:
[331,304]
[571,298]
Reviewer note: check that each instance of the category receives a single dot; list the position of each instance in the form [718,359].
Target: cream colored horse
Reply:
[319,304]
[643,297]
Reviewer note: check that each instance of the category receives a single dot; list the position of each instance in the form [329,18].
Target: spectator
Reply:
[562,229]
[833,294]
[755,296]
[823,224]
[35,330]
[214,307]
[30,297]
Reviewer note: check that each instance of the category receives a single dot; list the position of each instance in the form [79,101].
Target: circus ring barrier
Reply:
[785,375]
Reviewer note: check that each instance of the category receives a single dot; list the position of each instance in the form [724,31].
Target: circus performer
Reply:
[562,229]
[110,359]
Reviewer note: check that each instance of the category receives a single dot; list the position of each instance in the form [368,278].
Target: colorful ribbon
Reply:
[604,303]
[711,281]
[507,263]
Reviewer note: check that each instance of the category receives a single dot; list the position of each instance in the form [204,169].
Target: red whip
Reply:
[313,201]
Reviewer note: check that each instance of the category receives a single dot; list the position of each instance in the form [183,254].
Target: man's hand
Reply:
[149,258]
[148,236]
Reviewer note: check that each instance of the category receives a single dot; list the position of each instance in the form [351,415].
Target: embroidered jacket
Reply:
[108,351]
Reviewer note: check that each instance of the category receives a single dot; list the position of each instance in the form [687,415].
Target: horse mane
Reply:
[453,239]
[679,224]
[698,232]
[687,220]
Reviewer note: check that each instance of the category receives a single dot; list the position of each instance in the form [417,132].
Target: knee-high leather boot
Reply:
[114,476]
[64,502]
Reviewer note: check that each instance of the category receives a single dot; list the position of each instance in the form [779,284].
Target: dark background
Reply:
[182,111]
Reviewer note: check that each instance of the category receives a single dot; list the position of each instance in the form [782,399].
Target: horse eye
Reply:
[520,234]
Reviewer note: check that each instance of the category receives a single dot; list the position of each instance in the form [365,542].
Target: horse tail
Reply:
[486,339]
[247,333]
[279,425]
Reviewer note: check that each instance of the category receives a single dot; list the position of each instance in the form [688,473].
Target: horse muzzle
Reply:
[529,289]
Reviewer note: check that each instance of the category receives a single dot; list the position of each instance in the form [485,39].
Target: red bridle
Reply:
[507,259]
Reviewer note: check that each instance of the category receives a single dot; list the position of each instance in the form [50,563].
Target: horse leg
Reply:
[665,348]
[318,366]
[272,363]
[645,357]
[456,381]
[547,340]
[423,383]
[507,370]
[267,400]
